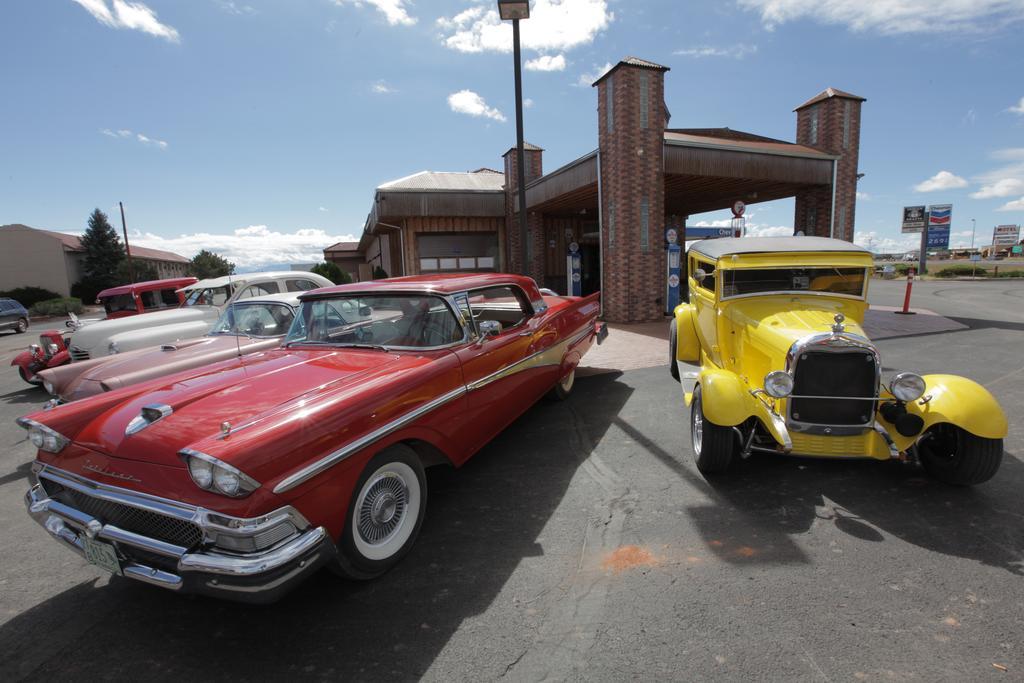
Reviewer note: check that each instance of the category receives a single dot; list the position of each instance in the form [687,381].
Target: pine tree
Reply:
[103,252]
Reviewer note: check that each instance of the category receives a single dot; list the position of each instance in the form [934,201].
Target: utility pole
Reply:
[923,258]
[516,10]
[127,249]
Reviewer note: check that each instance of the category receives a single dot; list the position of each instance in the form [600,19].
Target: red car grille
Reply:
[151,524]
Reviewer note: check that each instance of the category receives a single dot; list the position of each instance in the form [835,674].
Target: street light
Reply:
[972,233]
[516,10]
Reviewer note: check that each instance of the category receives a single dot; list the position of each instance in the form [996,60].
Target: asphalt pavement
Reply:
[582,544]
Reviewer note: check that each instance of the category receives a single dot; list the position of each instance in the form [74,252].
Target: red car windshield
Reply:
[379,320]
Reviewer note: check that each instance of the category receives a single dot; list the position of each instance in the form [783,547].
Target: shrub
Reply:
[86,290]
[332,272]
[30,296]
[379,273]
[1011,273]
[58,306]
[961,270]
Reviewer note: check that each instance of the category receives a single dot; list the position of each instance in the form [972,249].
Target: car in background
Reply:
[143,297]
[13,316]
[246,327]
[220,291]
[204,302]
[239,481]
[773,358]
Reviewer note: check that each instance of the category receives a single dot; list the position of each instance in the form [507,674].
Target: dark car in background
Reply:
[13,315]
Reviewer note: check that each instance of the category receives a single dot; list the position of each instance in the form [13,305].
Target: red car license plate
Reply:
[101,554]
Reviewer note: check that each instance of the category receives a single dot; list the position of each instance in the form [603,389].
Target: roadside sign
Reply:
[940,219]
[913,218]
[1006,234]
[705,233]
[1017,249]
[738,208]
[671,236]
[975,257]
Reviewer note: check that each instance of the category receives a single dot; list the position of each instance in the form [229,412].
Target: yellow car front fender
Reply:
[725,400]
[962,402]
[687,345]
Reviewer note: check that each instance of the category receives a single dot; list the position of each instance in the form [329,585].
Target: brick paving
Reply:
[631,346]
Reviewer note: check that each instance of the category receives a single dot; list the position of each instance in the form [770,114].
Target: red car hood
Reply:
[231,392]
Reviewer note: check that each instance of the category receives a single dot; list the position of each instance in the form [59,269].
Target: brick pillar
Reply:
[631,126]
[830,122]
[533,156]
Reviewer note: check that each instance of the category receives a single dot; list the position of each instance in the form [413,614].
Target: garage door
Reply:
[461,252]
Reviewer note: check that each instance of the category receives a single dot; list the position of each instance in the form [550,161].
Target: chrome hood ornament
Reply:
[838,328]
[147,416]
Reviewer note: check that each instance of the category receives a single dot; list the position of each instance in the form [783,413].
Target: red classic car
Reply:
[241,479]
[50,352]
[246,326]
[143,297]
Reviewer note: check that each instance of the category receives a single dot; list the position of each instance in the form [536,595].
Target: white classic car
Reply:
[204,302]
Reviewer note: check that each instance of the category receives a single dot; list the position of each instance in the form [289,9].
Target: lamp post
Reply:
[973,226]
[516,10]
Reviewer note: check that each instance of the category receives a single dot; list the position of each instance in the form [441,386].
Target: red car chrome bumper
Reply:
[282,547]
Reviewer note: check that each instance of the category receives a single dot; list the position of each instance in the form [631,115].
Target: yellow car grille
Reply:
[858,446]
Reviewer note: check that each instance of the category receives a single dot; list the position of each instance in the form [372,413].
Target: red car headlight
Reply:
[42,437]
[210,474]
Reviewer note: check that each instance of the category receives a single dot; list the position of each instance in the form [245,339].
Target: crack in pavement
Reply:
[570,629]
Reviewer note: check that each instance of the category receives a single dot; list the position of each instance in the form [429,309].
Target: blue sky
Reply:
[259,128]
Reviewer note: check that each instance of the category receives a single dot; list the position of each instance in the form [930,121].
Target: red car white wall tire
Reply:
[385,514]
[563,388]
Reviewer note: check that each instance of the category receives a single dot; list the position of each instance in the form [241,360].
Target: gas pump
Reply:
[573,265]
[673,263]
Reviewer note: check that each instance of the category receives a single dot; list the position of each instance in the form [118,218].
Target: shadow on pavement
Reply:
[869,500]
[481,522]
[34,396]
[983,324]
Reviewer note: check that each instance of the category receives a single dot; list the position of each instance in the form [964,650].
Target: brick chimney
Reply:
[830,122]
[631,116]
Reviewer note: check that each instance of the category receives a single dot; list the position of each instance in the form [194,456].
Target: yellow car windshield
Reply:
[848,281]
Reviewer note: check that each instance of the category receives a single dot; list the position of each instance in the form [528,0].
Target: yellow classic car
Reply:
[772,357]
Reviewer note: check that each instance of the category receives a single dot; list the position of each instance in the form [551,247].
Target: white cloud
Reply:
[587,79]
[394,11]
[863,196]
[130,15]
[234,8]
[382,88]
[468,102]
[1018,108]
[943,180]
[1015,205]
[887,245]
[323,209]
[893,17]
[738,51]
[151,141]
[554,25]
[252,246]
[125,133]
[1004,187]
[546,63]
[1006,180]
[527,103]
